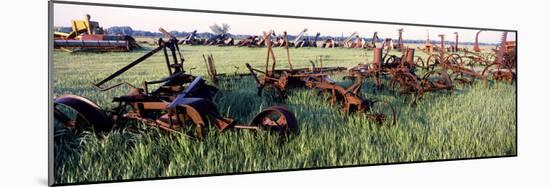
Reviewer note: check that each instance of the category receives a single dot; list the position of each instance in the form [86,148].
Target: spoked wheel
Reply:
[419,62]
[431,62]
[390,60]
[81,114]
[487,70]
[277,119]
[454,60]
[493,72]
[381,112]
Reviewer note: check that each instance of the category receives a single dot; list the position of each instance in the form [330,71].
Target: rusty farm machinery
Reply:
[87,35]
[412,74]
[399,45]
[220,40]
[250,41]
[497,65]
[352,41]
[301,40]
[216,39]
[504,66]
[192,39]
[182,103]
[317,77]
[402,74]
[348,42]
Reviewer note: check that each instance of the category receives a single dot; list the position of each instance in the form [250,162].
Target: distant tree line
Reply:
[127,30]
[123,30]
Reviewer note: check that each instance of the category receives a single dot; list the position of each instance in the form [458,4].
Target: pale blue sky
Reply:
[151,20]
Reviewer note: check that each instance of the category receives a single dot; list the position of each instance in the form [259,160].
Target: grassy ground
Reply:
[472,121]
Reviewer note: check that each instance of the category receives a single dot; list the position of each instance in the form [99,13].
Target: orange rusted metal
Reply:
[476,42]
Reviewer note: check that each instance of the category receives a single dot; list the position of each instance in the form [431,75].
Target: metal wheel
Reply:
[431,62]
[492,72]
[487,70]
[419,62]
[81,114]
[381,112]
[390,60]
[454,60]
[277,119]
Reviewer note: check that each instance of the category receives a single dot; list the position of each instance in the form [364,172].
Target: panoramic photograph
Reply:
[147,93]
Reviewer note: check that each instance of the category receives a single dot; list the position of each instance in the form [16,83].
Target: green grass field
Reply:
[472,121]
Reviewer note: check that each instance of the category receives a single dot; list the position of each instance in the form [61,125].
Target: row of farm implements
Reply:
[181,104]
[301,40]
[356,41]
[352,41]
[440,70]
[218,40]
[402,74]
[317,77]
